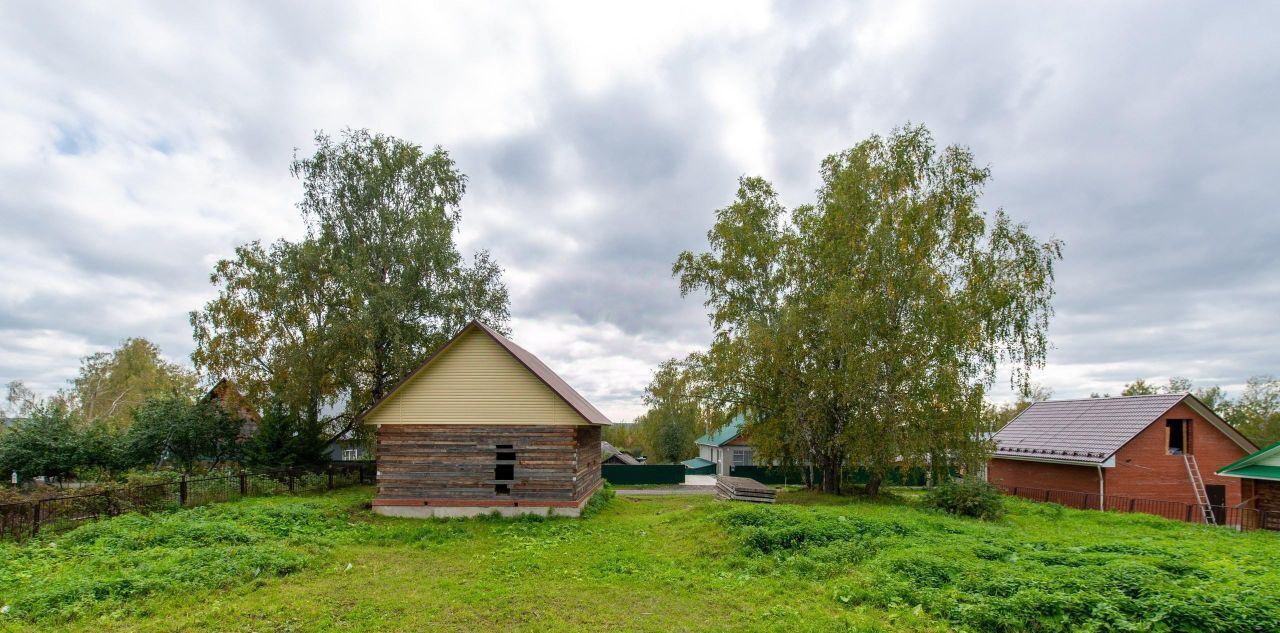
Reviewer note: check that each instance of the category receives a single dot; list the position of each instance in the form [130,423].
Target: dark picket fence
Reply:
[627,474]
[1239,518]
[28,518]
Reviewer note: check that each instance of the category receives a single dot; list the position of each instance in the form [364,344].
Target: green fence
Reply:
[625,474]
[772,476]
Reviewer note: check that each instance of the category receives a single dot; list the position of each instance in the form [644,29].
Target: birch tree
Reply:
[863,330]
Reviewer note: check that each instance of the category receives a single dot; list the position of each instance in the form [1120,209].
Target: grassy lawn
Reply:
[811,563]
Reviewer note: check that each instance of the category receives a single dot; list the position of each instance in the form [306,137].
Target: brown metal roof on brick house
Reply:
[1090,431]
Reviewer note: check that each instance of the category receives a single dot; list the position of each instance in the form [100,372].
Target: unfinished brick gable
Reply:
[1145,469]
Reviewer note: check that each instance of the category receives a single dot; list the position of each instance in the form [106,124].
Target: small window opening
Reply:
[505,469]
[1177,433]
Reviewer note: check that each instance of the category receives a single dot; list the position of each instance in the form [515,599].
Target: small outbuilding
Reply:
[1164,447]
[611,454]
[1259,476]
[482,425]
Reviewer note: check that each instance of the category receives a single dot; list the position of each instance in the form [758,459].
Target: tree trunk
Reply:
[873,484]
[831,475]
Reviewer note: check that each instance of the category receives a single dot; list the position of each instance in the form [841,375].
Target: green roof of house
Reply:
[698,462]
[725,433]
[1249,467]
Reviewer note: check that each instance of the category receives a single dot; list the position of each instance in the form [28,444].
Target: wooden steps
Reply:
[743,489]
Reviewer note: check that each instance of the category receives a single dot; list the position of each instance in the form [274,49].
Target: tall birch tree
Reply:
[862,331]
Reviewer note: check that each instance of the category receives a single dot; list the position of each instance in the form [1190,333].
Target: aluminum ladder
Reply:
[1197,484]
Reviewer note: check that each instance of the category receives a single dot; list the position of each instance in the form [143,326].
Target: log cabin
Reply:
[482,426]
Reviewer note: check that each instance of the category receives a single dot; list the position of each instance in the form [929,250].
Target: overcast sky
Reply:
[141,143]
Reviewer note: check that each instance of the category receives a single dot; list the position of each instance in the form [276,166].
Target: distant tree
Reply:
[330,323]
[45,443]
[1216,399]
[111,384]
[182,431]
[1177,384]
[1140,387]
[278,328]
[285,439]
[19,399]
[673,422]
[1257,412]
[863,330]
[999,415]
[101,447]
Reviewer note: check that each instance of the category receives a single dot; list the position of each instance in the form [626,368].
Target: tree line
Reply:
[311,330]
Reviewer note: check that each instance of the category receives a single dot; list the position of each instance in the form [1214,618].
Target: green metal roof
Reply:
[1256,472]
[725,433]
[1246,463]
[698,462]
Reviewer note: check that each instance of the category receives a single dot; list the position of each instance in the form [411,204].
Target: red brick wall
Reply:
[1013,472]
[1145,470]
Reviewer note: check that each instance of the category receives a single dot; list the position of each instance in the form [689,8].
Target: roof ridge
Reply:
[1181,394]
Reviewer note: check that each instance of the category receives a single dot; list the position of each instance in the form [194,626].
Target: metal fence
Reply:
[633,474]
[1229,516]
[28,518]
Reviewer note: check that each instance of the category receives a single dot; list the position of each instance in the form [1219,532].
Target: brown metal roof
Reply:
[531,362]
[1088,430]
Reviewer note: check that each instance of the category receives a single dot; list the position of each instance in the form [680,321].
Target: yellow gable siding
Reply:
[475,381]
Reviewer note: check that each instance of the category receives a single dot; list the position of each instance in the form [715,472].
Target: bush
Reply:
[968,498]
[599,501]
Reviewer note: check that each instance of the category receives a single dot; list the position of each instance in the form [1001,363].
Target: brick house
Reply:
[1137,447]
[1259,476]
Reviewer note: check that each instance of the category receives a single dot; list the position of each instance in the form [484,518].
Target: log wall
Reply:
[451,462]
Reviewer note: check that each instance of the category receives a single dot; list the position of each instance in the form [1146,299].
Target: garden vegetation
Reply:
[811,563]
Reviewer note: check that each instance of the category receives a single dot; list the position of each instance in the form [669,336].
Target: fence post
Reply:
[244,484]
[1188,519]
[1131,500]
[330,476]
[1046,496]
[35,517]
[182,491]
[290,473]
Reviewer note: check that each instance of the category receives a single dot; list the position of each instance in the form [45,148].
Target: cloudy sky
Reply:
[141,143]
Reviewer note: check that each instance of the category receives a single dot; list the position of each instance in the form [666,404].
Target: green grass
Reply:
[810,563]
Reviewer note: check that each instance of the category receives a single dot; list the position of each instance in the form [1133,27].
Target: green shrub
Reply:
[599,501]
[968,498]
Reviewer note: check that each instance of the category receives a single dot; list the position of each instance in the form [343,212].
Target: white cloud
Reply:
[145,141]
